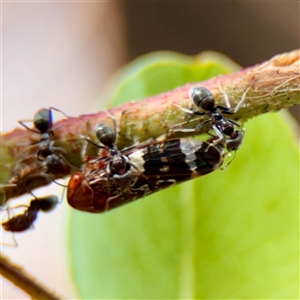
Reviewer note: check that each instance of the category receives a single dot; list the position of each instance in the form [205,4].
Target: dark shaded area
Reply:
[247,32]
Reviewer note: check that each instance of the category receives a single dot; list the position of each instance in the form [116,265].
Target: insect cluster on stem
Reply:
[115,177]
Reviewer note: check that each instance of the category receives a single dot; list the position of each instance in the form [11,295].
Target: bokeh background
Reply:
[62,54]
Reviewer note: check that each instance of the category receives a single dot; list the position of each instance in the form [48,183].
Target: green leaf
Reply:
[231,234]
[158,72]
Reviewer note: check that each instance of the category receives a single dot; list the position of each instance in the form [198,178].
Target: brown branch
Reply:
[25,281]
[272,85]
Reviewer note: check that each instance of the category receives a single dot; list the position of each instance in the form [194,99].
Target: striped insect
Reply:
[135,172]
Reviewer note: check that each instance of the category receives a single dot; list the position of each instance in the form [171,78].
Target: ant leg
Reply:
[66,161]
[22,122]
[58,110]
[233,122]
[63,194]
[4,209]
[185,130]
[220,135]
[14,240]
[226,166]
[186,110]
[33,195]
[189,130]
[91,142]
[14,244]
[216,139]
[202,124]
[60,184]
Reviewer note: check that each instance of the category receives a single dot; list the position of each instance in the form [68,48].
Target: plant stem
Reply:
[25,281]
[271,86]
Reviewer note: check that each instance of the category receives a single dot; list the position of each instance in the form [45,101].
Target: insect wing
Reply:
[164,164]
[178,159]
[153,167]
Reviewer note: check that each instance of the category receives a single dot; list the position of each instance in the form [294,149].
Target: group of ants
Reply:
[224,130]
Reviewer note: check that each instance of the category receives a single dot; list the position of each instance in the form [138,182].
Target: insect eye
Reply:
[43,120]
[202,98]
[105,134]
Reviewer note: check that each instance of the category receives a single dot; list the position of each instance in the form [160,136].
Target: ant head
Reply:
[105,135]
[119,165]
[233,143]
[43,120]
[48,203]
[202,98]
[227,128]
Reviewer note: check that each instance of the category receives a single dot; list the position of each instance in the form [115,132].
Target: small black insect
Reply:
[25,220]
[224,128]
[50,155]
[43,122]
[117,165]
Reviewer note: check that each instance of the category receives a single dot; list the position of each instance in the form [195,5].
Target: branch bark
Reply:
[271,86]
[25,281]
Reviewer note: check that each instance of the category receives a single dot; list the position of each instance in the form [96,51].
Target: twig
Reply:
[272,85]
[25,281]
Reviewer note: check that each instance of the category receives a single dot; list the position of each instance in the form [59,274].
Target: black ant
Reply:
[119,165]
[224,128]
[25,220]
[116,166]
[43,123]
